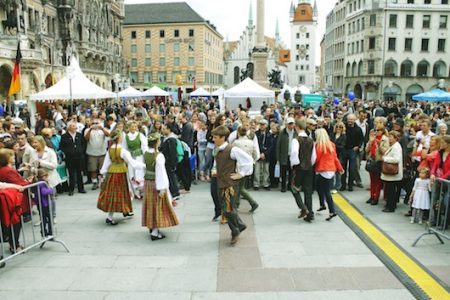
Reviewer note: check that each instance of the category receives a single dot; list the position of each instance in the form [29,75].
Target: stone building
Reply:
[302,69]
[394,49]
[239,59]
[164,40]
[51,31]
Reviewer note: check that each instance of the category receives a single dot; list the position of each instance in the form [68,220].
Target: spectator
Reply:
[393,155]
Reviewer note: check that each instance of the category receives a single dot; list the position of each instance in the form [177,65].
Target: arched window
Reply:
[422,68]
[439,69]
[360,68]
[237,74]
[250,70]
[406,69]
[347,72]
[354,69]
[390,68]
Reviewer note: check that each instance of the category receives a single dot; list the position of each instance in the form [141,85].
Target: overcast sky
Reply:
[231,16]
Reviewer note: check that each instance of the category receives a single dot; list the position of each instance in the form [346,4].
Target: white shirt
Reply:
[419,146]
[233,137]
[244,160]
[97,143]
[132,136]
[363,126]
[295,147]
[161,178]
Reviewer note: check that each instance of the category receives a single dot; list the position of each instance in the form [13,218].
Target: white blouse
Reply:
[126,156]
[161,178]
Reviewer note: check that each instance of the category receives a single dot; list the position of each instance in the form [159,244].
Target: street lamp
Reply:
[70,73]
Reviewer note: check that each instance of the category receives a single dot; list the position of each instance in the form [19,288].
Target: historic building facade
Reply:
[302,69]
[394,49]
[51,31]
[164,40]
[238,56]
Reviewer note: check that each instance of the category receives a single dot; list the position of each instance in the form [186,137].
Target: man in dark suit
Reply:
[73,146]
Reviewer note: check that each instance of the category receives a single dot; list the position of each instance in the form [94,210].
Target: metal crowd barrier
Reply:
[25,232]
[439,216]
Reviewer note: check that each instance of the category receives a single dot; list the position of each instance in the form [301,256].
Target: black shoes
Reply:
[322,208]
[369,201]
[388,210]
[283,190]
[71,193]
[374,202]
[267,188]
[216,218]
[256,188]
[160,236]
[130,214]
[95,186]
[331,216]
[111,222]
[350,189]
[254,207]
[342,189]
[82,192]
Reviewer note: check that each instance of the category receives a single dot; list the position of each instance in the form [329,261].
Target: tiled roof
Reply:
[159,13]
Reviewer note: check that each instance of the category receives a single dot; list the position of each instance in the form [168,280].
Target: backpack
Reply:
[180,151]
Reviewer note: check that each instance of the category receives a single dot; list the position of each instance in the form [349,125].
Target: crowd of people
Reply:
[154,150]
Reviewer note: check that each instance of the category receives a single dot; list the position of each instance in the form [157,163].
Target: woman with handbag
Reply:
[375,149]
[392,171]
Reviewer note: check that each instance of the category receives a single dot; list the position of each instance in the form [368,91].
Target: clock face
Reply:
[302,51]
[303,28]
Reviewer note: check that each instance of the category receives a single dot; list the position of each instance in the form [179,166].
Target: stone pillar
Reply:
[260,52]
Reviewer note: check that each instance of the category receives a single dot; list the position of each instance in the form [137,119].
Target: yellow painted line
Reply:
[426,282]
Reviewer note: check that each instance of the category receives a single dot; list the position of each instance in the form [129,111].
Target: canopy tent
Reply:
[303,89]
[129,92]
[283,90]
[200,92]
[433,95]
[218,93]
[248,89]
[155,92]
[78,83]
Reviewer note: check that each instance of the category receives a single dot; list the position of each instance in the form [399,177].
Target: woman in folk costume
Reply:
[116,194]
[157,210]
[136,144]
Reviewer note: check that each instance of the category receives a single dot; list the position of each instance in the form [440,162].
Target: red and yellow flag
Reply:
[14,88]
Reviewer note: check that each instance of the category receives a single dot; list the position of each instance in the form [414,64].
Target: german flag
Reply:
[14,88]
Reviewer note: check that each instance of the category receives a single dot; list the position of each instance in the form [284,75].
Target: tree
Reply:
[275,79]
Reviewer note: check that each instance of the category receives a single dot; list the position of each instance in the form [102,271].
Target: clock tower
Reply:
[302,69]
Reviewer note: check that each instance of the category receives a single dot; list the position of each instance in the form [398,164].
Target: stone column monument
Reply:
[260,52]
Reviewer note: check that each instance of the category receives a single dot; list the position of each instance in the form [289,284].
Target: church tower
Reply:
[303,19]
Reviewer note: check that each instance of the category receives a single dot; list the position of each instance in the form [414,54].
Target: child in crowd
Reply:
[43,202]
[420,197]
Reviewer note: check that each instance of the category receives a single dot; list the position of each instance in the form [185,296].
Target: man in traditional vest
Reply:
[227,158]
[302,158]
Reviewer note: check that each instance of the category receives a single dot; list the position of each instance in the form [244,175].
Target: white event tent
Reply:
[200,92]
[129,92]
[248,89]
[82,88]
[220,93]
[155,92]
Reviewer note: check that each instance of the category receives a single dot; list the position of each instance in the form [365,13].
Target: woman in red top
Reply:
[327,164]
[375,149]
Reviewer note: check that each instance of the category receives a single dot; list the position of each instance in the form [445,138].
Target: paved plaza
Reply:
[277,257]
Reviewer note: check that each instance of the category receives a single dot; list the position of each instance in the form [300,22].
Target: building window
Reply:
[363,23]
[372,42]
[176,61]
[147,34]
[134,62]
[444,2]
[298,36]
[427,1]
[162,77]
[191,32]
[410,1]
[148,48]
[296,67]
[134,77]
[409,21]
[373,20]
[176,33]
[162,33]
[425,44]
[422,69]
[441,45]
[303,12]
[301,79]
[408,44]
[147,77]
[176,47]
[162,61]
[148,61]
[133,34]
[443,22]
[191,61]
[370,67]
[392,21]
[307,35]
[297,46]
[426,21]
[133,48]
[297,57]
[406,68]
[162,47]
[191,47]
[237,75]
[392,42]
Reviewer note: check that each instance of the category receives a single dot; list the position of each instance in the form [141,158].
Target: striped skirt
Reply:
[157,211]
[115,194]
